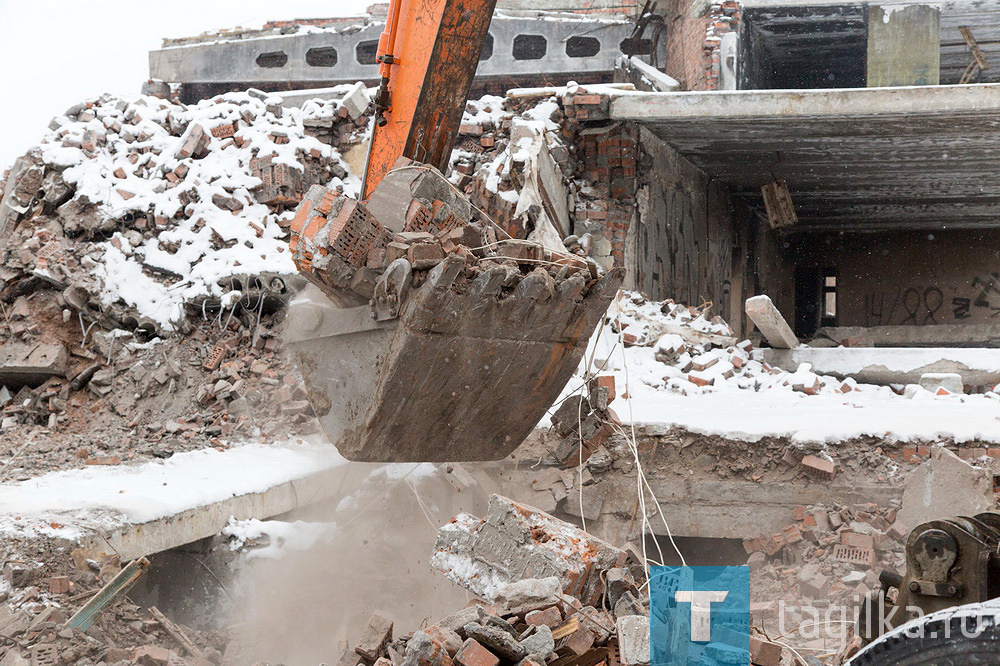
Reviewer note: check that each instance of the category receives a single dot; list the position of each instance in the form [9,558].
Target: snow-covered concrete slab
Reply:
[147,508]
[893,365]
[828,418]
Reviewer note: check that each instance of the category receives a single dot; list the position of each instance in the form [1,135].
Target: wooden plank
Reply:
[176,632]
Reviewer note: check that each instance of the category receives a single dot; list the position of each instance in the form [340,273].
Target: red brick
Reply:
[103,460]
[971,453]
[608,382]
[856,540]
[700,381]
[818,467]
[792,534]
[550,617]
[474,654]
[59,585]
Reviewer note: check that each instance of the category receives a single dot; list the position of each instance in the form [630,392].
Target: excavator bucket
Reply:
[453,348]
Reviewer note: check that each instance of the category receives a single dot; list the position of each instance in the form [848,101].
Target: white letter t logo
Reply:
[701,613]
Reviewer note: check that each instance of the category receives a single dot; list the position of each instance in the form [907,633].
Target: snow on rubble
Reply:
[186,195]
[675,365]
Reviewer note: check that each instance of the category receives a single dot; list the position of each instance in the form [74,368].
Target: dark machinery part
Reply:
[948,563]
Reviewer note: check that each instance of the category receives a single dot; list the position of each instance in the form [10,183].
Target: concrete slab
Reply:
[142,509]
[862,159]
[892,365]
[944,487]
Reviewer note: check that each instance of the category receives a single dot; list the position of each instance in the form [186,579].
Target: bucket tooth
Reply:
[443,275]
[489,282]
[535,286]
[572,288]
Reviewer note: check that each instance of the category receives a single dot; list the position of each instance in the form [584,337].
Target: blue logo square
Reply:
[700,616]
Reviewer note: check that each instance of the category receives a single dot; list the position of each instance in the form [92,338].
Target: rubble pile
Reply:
[145,273]
[81,617]
[547,592]
[680,348]
[502,142]
[143,206]
[827,557]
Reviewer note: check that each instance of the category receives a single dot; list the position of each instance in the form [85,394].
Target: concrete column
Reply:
[904,45]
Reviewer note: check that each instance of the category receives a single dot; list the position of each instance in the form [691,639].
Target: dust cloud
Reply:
[301,607]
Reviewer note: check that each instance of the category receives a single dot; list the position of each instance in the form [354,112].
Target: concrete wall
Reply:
[917,278]
[904,45]
[692,242]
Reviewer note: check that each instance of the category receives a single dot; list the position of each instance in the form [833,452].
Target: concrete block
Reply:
[530,594]
[540,643]
[633,640]
[356,101]
[376,636]
[943,487]
[772,325]
[497,640]
[950,381]
[31,363]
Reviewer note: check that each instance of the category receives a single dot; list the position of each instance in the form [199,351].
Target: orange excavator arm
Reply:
[427,58]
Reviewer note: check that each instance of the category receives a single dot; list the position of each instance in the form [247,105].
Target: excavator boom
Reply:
[427,57]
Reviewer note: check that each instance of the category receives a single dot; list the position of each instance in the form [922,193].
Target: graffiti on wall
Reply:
[927,305]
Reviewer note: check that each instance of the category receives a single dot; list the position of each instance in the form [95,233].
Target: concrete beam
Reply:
[724,509]
[31,364]
[765,315]
[831,103]
[892,365]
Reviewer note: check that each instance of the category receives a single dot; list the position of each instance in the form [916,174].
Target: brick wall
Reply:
[693,42]
[606,156]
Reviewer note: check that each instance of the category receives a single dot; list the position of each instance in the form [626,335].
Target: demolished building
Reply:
[805,471]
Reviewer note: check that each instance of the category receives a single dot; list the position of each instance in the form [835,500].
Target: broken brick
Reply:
[474,654]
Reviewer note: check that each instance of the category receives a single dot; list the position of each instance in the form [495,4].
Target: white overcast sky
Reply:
[55,53]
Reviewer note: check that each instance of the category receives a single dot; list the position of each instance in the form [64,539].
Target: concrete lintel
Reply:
[834,103]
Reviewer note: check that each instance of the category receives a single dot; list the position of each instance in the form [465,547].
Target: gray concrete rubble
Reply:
[517,541]
[31,364]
